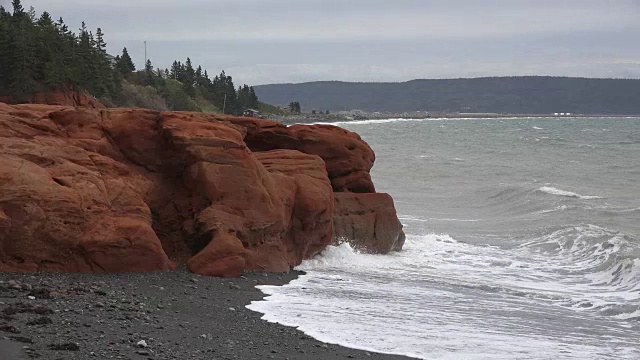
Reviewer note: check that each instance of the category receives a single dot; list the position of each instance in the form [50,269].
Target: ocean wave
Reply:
[373,121]
[559,192]
[394,120]
[419,219]
[605,264]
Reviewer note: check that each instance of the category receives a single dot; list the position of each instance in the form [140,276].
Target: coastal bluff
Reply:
[85,189]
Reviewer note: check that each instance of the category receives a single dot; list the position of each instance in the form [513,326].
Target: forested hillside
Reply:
[39,54]
[515,95]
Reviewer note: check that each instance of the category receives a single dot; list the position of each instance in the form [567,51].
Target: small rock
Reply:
[232,309]
[30,297]
[41,293]
[21,339]
[235,287]
[43,320]
[9,329]
[64,347]
[142,344]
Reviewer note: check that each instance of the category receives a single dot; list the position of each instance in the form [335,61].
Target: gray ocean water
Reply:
[523,242]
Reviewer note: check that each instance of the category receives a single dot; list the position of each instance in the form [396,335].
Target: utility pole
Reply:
[145,53]
[224,104]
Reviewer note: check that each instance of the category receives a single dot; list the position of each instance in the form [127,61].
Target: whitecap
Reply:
[559,192]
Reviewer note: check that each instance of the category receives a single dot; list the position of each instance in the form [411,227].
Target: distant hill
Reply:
[515,95]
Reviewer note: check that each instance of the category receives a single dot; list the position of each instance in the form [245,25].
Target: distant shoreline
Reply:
[315,118]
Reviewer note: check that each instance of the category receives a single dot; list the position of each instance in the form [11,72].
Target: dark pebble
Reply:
[21,339]
[64,347]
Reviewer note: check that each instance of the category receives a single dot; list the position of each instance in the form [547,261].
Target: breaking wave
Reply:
[559,192]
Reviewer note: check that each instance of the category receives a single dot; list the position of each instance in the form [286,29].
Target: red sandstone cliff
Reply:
[117,190]
[63,97]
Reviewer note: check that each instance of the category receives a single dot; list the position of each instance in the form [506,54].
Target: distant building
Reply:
[252,113]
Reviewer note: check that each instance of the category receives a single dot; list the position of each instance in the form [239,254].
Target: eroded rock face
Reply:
[63,97]
[88,190]
[368,222]
[348,158]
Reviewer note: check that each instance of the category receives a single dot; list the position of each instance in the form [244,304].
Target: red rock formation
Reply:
[347,157]
[64,97]
[368,222]
[140,190]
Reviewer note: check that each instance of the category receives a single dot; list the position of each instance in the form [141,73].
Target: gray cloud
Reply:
[259,41]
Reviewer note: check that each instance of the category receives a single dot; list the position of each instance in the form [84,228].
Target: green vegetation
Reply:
[265,108]
[40,55]
[294,107]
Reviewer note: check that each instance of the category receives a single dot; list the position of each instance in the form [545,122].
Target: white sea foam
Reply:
[537,128]
[441,298]
[555,191]
[372,121]
[396,120]
[419,219]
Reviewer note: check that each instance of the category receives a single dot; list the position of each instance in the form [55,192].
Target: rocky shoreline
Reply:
[99,207]
[156,315]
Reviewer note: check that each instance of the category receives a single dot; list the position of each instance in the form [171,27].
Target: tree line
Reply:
[38,54]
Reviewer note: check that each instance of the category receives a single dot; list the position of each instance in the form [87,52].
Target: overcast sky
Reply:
[277,41]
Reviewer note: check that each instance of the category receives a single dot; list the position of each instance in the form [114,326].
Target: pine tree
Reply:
[253,98]
[101,46]
[125,65]
[175,69]
[294,107]
[104,76]
[148,73]
[18,10]
[199,76]
[189,78]
[21,55]
[85,61]
[5,19]
[46,41]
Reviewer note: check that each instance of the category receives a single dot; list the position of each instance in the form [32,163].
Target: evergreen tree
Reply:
[175,69]
[101,46]
[253,98]
[125,65]
[294,107]
[85,74]
[104,72]
[21,55]
[38,54]
[148,73]
[18,10]
[46,39]
[189,78]
[58,71]
[5,18]
[199,77]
